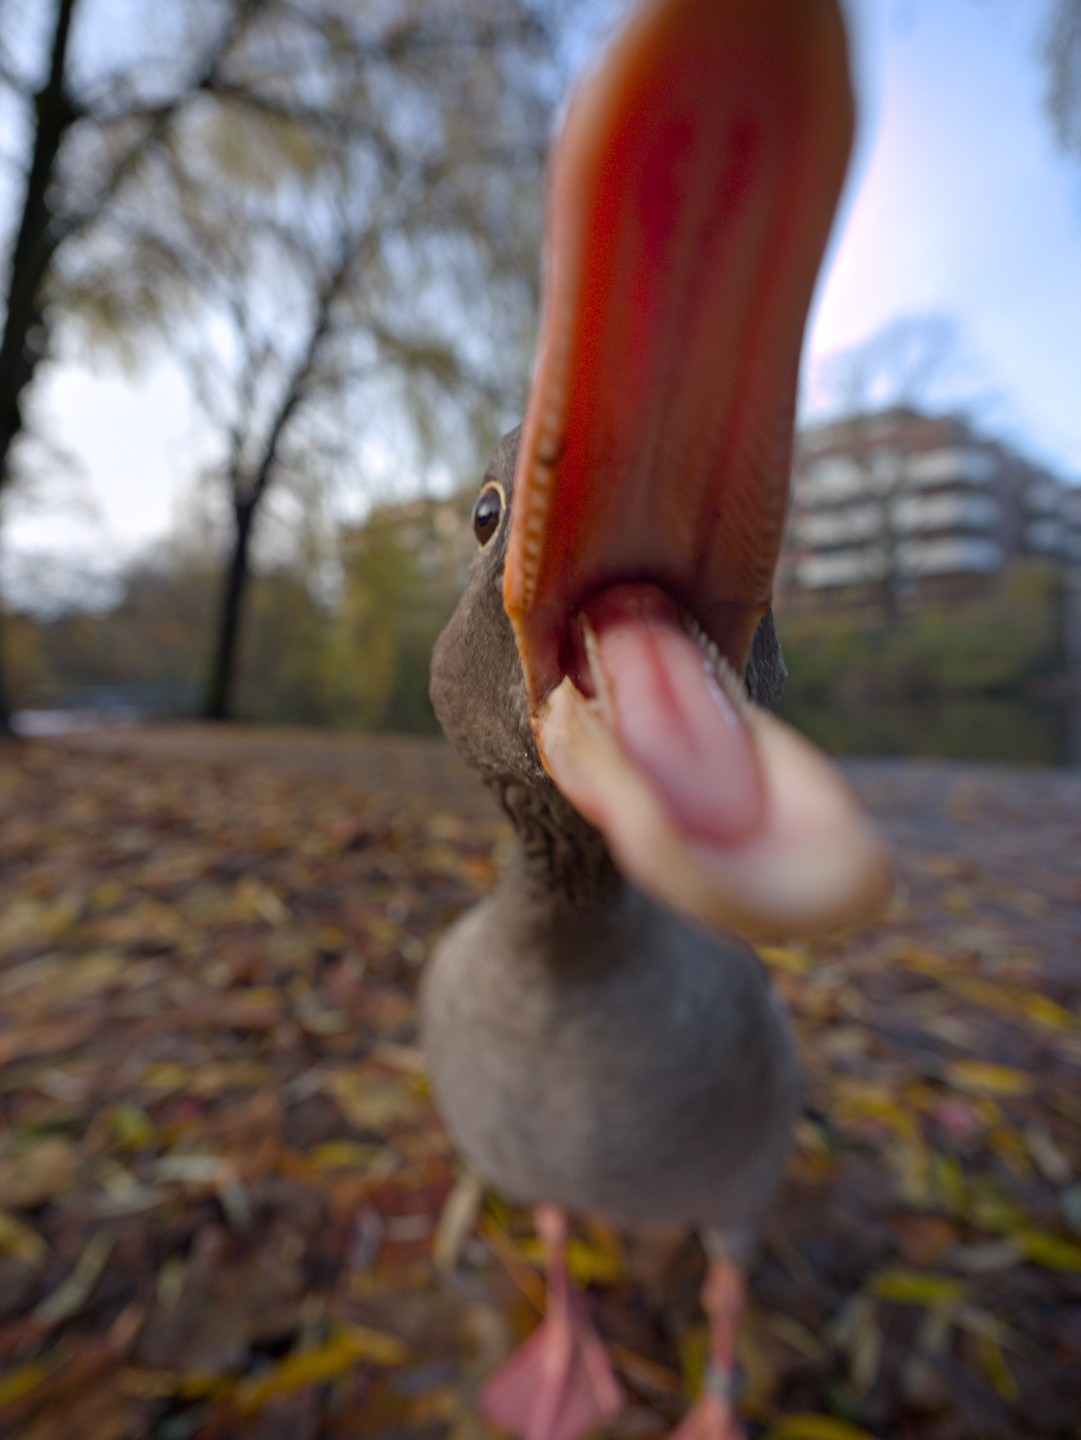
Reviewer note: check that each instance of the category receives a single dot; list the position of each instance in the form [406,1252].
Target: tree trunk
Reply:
[23,342]
[6,731]
[218,704]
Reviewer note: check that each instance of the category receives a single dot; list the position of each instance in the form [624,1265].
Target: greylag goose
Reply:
[600,1041]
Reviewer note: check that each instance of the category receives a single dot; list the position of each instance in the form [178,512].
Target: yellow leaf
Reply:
[948,1182]
[694,1358]
[996,1369]
[589,1264]
[924,962]
[167,1075]
[131,1126]
[158,1384]
[1007,1000]
[864,1102]
[1045,1012]
[795,958]
[983,1078]
[1009,1148]
[342,1155]
[19,1240]
[20,1382]
[592,1264]
[1050,1251]
[917,1287]
[816,1427]
[325,1362]
[370,1104]
[199,1385]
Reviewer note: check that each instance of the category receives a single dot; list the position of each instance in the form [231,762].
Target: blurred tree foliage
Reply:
[329,211]
[364,252]
[403,572]
[97,96]
[358,661]
[995,644]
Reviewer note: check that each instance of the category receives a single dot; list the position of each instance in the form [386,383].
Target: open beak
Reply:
[691,197]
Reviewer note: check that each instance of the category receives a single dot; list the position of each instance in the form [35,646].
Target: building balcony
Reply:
[950,465]
[838,526]
[837,479]
[841,567]
[949,555]
[958,510]
[1047,536]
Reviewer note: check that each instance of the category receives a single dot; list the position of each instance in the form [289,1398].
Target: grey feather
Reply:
[589,1048]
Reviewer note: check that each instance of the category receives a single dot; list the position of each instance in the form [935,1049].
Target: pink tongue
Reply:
[672,718]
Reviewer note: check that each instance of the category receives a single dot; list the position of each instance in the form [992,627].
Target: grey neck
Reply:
[560,860]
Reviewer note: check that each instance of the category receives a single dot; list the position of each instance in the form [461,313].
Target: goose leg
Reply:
[559,1385]
[714,1416]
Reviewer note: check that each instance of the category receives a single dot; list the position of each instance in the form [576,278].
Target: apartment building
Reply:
[903,507]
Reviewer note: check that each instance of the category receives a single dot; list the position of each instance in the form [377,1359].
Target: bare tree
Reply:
[154,153]
[97,120]
[385,286]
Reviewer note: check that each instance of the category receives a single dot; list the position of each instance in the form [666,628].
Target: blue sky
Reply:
[958,203]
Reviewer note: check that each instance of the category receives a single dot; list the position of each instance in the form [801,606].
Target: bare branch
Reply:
[1062,56]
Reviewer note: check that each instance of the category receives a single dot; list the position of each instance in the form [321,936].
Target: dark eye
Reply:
[487,512]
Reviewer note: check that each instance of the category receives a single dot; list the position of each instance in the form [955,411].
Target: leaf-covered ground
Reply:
[227,1209]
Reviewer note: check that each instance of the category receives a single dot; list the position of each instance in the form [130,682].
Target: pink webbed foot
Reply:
[714,1415]
[559,1385]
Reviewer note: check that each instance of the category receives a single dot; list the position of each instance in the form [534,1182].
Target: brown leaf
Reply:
[35,1170]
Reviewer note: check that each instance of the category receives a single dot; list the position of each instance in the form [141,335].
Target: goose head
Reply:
[615,643]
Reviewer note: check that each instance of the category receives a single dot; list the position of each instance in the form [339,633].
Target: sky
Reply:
[957,203]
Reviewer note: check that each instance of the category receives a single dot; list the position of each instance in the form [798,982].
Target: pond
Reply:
[982,728]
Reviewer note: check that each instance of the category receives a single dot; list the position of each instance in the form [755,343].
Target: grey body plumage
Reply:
[588,1047]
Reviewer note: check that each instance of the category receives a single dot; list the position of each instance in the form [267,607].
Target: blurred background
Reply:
[269,296]
[271,284]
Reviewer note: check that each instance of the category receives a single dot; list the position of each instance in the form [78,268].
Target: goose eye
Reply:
[487,513]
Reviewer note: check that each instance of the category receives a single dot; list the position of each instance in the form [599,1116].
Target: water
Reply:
[37,723]
[982,728]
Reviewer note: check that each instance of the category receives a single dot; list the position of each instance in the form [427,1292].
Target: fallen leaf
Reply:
[19,1240]
[917,1287]
[457,1221]
[324,1362]
[816,1427]
[983,1078]
[1052,1251]
[35,1170]
[23,1381]
[72,1294]
[375,1105]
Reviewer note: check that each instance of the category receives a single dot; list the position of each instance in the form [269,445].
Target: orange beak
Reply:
[691,197]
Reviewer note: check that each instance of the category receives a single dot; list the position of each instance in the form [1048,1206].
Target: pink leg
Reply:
[714,1415]
[559,1385]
